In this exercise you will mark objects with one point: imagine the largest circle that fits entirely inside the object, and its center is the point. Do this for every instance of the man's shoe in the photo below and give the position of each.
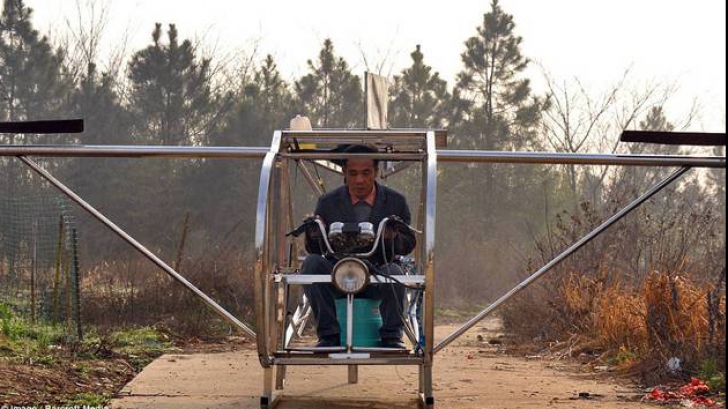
(329, 342)
(393, 343)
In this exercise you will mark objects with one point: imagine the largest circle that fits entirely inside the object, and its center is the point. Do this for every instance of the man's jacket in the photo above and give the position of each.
(336, 206)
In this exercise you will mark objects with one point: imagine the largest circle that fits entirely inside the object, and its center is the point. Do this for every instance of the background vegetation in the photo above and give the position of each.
(664, 264)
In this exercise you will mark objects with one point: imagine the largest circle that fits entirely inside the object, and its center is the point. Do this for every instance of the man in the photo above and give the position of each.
(361, 199)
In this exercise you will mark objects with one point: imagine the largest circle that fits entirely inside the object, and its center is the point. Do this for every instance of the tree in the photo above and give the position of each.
(266, 105)
(636, 178)
(420, 98)
(96, 100)
(32, 82)
(503, 113)
(330, 94)
(171, 99)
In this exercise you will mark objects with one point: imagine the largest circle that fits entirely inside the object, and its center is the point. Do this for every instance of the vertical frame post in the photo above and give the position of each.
(264, 288)
(430, 175)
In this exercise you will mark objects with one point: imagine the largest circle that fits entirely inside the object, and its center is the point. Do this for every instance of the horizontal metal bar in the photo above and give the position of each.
(396, 351)
(445, 156)
(390, 136)
(329, 166)
(329, 361)
(138, 246)
(303, 279)
(394, 156)
(455, 156)
(310, 351)
(130, 151)
(401, 134)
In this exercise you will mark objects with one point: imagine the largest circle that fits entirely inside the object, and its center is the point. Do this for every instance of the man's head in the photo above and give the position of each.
(360, 173)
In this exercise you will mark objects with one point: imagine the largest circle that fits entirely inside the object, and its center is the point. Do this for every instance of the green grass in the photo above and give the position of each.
(713, 377)
(140, 345)
(89, 399)
(457, 314)
(24, 341)
(37, 343)
(5, 311)
(623, 357)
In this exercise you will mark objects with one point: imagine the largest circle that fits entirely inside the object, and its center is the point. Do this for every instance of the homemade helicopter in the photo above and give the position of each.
(277, 255)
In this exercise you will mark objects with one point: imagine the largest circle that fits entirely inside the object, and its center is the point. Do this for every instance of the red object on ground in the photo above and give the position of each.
(694, 392)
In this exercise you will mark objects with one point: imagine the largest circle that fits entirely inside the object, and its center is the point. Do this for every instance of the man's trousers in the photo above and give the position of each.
(323, 296)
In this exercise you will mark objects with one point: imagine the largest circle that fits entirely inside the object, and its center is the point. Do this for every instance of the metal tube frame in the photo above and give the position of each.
(267, 284)
(444, 156)
(263, 286)
(316, 185)
(130, 151)
(426, 393)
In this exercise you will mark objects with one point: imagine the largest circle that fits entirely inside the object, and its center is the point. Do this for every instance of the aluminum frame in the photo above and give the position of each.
(417, 146)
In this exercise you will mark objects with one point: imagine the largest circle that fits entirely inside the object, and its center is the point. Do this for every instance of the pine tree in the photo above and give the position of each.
(330, 94)
(266, 105)
(96, 100)
(32, 85)
(503, 114)
(32, 82)
(420, 98)
(106, 121)
(631, 180)
(171, 98)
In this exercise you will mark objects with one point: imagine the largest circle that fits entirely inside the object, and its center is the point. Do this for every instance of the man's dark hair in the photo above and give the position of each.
(360, 149)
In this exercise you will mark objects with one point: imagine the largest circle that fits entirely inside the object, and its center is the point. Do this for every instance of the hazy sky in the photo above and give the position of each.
(594, 40)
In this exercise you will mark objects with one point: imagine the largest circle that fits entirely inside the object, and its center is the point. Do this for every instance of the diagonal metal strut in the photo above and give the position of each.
(563, 256)
(138, 246)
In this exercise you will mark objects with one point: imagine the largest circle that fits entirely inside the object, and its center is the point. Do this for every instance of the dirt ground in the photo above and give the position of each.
(470, 374)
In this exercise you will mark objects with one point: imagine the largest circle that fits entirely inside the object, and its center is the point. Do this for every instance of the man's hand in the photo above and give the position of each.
(391, 233)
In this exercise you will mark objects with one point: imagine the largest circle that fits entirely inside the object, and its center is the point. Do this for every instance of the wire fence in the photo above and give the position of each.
(39, 265)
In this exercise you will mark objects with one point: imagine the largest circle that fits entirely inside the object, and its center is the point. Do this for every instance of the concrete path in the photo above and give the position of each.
(467, 377)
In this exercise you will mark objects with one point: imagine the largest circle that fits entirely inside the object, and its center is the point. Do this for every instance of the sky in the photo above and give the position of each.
(664, 41)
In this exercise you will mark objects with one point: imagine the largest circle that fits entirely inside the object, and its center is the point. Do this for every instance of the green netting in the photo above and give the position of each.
(38, 256)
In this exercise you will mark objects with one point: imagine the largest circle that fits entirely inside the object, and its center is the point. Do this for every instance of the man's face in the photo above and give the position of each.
(360, 176)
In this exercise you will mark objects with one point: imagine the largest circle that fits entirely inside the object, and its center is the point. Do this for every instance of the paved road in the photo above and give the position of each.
(467, 377)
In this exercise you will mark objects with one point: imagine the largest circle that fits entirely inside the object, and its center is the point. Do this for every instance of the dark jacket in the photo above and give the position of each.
(336, 206)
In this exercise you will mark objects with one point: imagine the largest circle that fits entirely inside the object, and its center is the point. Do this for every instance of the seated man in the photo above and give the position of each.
(361, 199)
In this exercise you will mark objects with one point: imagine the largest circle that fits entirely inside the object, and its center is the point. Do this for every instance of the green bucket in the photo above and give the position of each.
(367, 321)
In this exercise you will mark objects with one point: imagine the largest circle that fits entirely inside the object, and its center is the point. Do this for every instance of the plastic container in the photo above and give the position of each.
(367, 321)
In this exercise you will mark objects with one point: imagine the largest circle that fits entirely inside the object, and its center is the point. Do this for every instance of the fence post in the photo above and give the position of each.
(76, 285)
(33, 272)
(59, 264)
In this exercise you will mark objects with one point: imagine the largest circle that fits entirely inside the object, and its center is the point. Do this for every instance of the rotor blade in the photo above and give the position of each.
(43, 127)
(675, 138)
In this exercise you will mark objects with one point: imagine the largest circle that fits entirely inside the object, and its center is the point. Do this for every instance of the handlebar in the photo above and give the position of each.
(322, 229)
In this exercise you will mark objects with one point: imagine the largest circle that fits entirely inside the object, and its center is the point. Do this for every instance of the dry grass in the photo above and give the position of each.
(636, 328)
(135, 293)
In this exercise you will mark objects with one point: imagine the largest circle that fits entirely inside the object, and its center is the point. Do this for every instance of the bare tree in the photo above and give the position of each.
(383, 61)
(579, 120)
(574, 118)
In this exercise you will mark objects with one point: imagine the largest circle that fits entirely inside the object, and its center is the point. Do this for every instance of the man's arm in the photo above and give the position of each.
(397, 238)
(405, 240)
(314, 242)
